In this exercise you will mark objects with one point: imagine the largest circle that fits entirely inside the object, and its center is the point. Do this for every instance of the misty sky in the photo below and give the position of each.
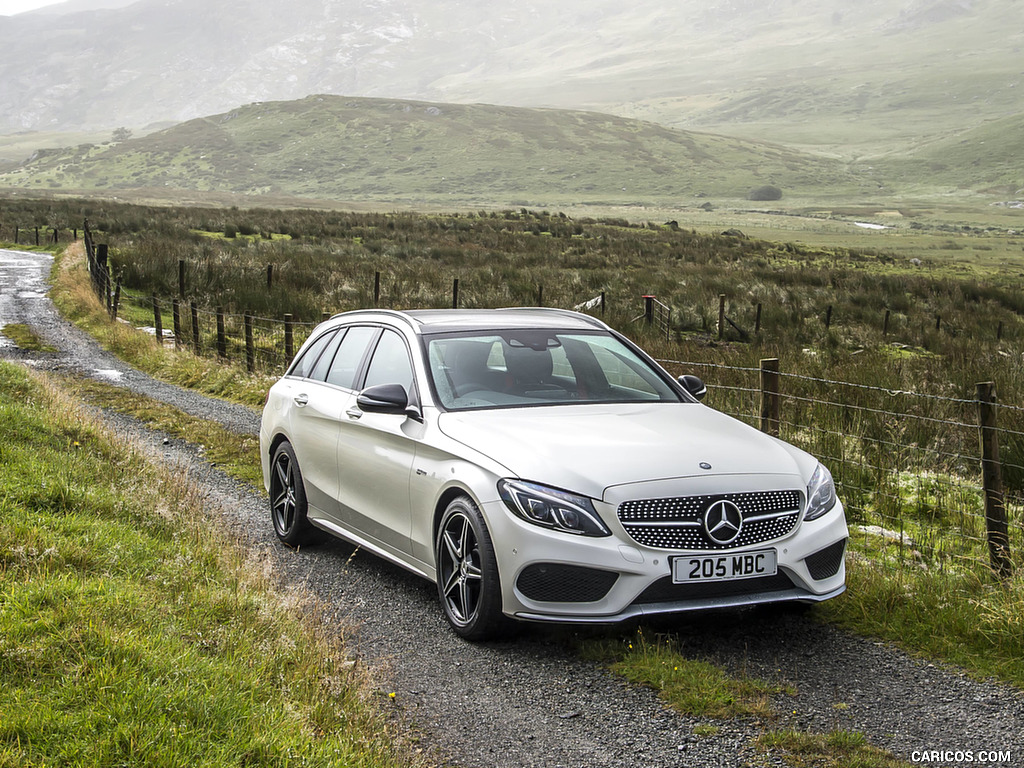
(11, 7)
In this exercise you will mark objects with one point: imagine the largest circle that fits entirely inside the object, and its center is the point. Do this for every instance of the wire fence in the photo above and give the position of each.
(907, 465)
(912, 468)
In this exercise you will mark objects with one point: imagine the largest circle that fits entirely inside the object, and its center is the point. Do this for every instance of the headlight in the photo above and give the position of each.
(821, 494)
(552, 508)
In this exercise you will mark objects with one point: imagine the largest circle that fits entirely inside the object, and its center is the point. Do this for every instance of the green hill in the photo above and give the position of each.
(988, 159)
(355, 149)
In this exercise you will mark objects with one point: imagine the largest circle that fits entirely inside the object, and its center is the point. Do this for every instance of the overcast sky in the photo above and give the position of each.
(11, 7)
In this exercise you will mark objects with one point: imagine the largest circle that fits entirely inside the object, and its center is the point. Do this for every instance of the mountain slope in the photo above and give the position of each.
(989, 158)
(356, 149)
(828, 73)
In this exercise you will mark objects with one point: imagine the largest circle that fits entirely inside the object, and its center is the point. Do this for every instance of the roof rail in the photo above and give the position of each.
(392, 313)
(591, 320)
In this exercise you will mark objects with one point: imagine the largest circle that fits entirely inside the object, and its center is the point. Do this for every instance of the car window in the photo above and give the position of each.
(540, 368)
(390, 363)
(323, 365)
(350, 353)
(304, 364)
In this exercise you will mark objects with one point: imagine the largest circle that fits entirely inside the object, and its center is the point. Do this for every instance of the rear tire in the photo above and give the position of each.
(288, 505)
(467, 573)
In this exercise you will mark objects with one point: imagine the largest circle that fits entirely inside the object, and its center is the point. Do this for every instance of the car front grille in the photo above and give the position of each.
(678, 523)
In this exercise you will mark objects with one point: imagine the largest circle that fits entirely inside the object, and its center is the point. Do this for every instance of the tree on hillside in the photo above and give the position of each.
(767, 192)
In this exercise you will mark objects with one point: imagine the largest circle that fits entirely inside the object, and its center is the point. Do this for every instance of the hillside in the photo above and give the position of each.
(988, 159)
(375, 149)
(837, 76)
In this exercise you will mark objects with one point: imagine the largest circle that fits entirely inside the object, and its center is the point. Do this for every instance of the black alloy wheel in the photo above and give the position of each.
(288, 499)
(467, 573)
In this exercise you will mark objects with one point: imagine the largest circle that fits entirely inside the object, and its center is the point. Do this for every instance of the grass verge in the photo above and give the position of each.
(133, 634)
(690, 686)
(235, 454)
(839, 749)
(74, 297)
(25, 338)
(965, 618)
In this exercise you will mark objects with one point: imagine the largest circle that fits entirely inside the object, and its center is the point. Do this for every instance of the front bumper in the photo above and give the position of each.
(551, 576)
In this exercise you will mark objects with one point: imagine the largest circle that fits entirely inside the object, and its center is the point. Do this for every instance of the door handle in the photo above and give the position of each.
(301, 400)
(354, 413)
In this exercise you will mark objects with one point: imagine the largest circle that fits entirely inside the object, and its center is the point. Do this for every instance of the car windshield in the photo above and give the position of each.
(519, 368)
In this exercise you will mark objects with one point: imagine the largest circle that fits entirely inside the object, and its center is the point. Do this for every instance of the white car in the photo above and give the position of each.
(537, 465)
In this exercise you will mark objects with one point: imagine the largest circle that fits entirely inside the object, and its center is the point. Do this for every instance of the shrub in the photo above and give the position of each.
(766, 192)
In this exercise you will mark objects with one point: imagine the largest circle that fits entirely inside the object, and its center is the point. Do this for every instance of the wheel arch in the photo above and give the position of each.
(448, 495)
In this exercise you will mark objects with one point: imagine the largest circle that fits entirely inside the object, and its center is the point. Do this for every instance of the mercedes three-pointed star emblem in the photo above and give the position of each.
(723, 522)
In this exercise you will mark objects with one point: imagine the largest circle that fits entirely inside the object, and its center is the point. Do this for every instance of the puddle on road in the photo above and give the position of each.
(109, 373)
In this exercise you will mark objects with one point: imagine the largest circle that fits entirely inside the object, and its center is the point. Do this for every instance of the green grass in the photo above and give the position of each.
(235, 454)
(690, 686)
(25, 338)
(838, 749)
(967, 618)
(133, 633)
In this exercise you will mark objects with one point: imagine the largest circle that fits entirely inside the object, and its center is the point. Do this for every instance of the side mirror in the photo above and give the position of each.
(693, 385)
(383, 398)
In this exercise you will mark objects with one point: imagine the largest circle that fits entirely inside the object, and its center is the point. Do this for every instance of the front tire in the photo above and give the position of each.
(288, 505)
(467, 573)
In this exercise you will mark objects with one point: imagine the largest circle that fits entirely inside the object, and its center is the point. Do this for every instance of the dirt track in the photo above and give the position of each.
(531, 701)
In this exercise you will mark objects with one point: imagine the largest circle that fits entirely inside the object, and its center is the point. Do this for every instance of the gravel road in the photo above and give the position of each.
(530, 701)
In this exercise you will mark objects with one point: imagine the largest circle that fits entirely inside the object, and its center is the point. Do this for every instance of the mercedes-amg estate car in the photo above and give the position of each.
(539, 466)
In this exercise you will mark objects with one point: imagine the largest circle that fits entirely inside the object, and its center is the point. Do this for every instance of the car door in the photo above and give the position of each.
(313, 414)
(376, 452)
(318, 403)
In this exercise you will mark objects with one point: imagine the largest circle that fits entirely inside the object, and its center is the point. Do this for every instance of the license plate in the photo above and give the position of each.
(745, 565)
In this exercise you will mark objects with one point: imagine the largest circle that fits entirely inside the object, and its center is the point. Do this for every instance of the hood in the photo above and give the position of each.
(588, 448)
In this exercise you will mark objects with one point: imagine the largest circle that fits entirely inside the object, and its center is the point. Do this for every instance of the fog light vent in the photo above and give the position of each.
(558, 583)
(825, 563)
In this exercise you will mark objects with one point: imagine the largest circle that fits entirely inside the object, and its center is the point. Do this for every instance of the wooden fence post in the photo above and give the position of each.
(17, 231)
(289, 338)
(455, 293)
(116, 301)
(250, 346)
(540, 295)
(197, 343)
(999, 331)
(828, 317)
(103, 274)
(37, 235)
(602, 304)
(649, 310)
(222, 339)
(176, 320)
(992, 482)
(270, 277)
(376, 288)
(721, 316)
(158, 321)
(885, 324)
(770, 396)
